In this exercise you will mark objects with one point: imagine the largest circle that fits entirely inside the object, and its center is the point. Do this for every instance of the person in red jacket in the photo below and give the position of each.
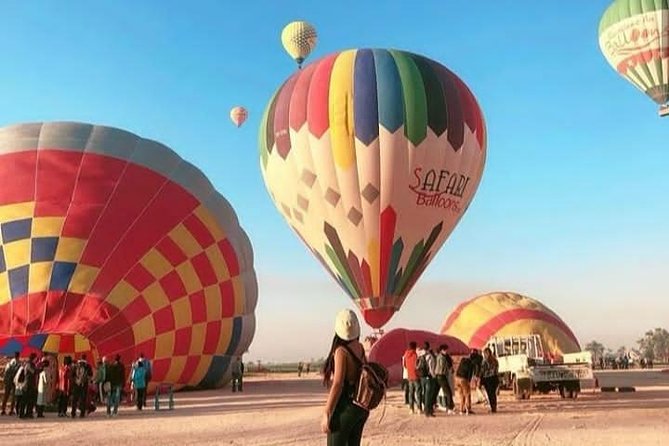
(409, 363)
(64, 386)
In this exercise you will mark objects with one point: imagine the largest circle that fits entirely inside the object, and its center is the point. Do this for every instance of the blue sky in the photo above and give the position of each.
(572, 208)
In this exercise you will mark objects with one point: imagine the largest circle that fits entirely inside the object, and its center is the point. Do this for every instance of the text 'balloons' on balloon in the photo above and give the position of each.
(372, 156)
(299, 40)
(634, 38)
(238, 115)
(509, 314)
(113, 244)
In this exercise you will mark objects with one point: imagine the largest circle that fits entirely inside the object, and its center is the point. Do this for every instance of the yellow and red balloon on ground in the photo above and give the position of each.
(372, 156)
(505, 314)
(634, 38)
(113, 244)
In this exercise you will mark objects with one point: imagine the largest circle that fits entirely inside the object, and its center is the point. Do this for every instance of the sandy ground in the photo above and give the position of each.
(282, 410)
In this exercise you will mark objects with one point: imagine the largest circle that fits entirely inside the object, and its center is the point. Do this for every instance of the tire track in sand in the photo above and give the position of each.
(525, 437)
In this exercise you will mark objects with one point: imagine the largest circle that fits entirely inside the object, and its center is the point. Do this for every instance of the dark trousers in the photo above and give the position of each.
(40, 411)
(9, 391)
(63, 399)
(490, 384)
(405, 387)
(236, 383)
(428, 395)
(29, 402)
(442, 380)
(347, 424)
(141, 398)
(79, 400)
(21, 405)
(415, 394)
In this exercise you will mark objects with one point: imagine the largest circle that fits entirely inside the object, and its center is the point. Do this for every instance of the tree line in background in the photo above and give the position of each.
(653, 346)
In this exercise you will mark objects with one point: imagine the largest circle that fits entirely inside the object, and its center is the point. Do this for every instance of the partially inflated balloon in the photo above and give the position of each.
(634, 37)
(113, 244)
(299, 39)
(509, 314)
(372, 157)
(238, 115)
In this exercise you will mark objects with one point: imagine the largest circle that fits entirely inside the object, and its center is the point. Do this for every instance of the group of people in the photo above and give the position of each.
(28, 384)
(431, 380)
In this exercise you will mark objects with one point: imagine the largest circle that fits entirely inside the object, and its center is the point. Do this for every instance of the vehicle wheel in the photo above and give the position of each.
(574, 394)
(562, 391)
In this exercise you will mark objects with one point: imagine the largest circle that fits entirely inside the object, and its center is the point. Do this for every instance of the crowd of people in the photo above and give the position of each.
(33, 384)
(431, 380)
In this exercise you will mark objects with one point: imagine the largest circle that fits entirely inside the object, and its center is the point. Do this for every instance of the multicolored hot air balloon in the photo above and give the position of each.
(634, 37)
(372, 156)
(238, 115)
(299, 40)
(113, 244)
(506, 314)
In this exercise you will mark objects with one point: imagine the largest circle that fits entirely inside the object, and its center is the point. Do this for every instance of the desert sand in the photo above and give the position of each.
(285, 410)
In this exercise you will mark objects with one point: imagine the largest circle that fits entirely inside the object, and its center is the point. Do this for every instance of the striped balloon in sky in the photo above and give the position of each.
(113, 244)
(634, 37)
(373, 156)
(507, 314)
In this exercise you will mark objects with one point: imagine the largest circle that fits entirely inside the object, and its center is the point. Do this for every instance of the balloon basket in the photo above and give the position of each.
(664, 111)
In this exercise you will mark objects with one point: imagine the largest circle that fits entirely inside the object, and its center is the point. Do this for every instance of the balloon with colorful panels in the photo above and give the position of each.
(113, 244)
(634, 37)
(238, 115)
(299, 40)
(372, 156)
(507, 314)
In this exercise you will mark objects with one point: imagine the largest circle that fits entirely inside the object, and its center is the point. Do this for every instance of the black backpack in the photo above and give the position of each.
(465, 369)
(422, 369)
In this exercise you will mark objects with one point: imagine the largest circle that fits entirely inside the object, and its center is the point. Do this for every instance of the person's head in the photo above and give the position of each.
(487, 353)
(83, 356)
(443, 348)
(412, 345)
(140, 364)
(347, 329)
(32, 357)
(104, 360)
(17, 355)
(117, 358)
(426, 346)
(67, 360)
(141, 355)
(45, 363)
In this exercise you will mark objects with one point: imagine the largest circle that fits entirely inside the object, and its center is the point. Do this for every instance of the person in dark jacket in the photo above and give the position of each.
(30, 390)
(81, 376)
(11, 369)
(114, 380)
(463, 377)
(442, 370)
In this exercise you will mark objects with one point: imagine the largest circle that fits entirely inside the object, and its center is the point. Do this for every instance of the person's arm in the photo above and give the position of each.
(336, 388)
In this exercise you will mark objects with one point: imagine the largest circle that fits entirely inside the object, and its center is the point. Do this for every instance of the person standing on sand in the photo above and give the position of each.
(42, 389)
(237, 374)
(489, 378)
(139, 382)
(409, 360)
(442, 370)
(115, 377)
(463, 377)
(425, 366)
(11, 369)
(342, 420)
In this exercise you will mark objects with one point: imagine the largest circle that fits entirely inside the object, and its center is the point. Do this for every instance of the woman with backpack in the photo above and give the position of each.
(490, 378)
(342, 420)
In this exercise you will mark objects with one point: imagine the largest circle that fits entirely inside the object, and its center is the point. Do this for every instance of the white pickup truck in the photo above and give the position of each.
(523, 367)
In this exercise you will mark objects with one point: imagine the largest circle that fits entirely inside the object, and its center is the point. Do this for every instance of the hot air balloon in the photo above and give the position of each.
(372, 156)
(113, 244)
(238, 115)
(634, 37)
(299, 39)
(507, 314)
(390, 347)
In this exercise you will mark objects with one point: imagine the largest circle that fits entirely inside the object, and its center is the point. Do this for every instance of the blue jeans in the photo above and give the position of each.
(113, 399)
(428, 395)
(415, 395)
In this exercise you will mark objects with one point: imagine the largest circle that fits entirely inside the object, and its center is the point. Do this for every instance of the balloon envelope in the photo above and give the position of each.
(238, 115)
(634, 37)
(390, 347)
(299, 39)
(113, 244)
(505, 314)
(372, 156)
